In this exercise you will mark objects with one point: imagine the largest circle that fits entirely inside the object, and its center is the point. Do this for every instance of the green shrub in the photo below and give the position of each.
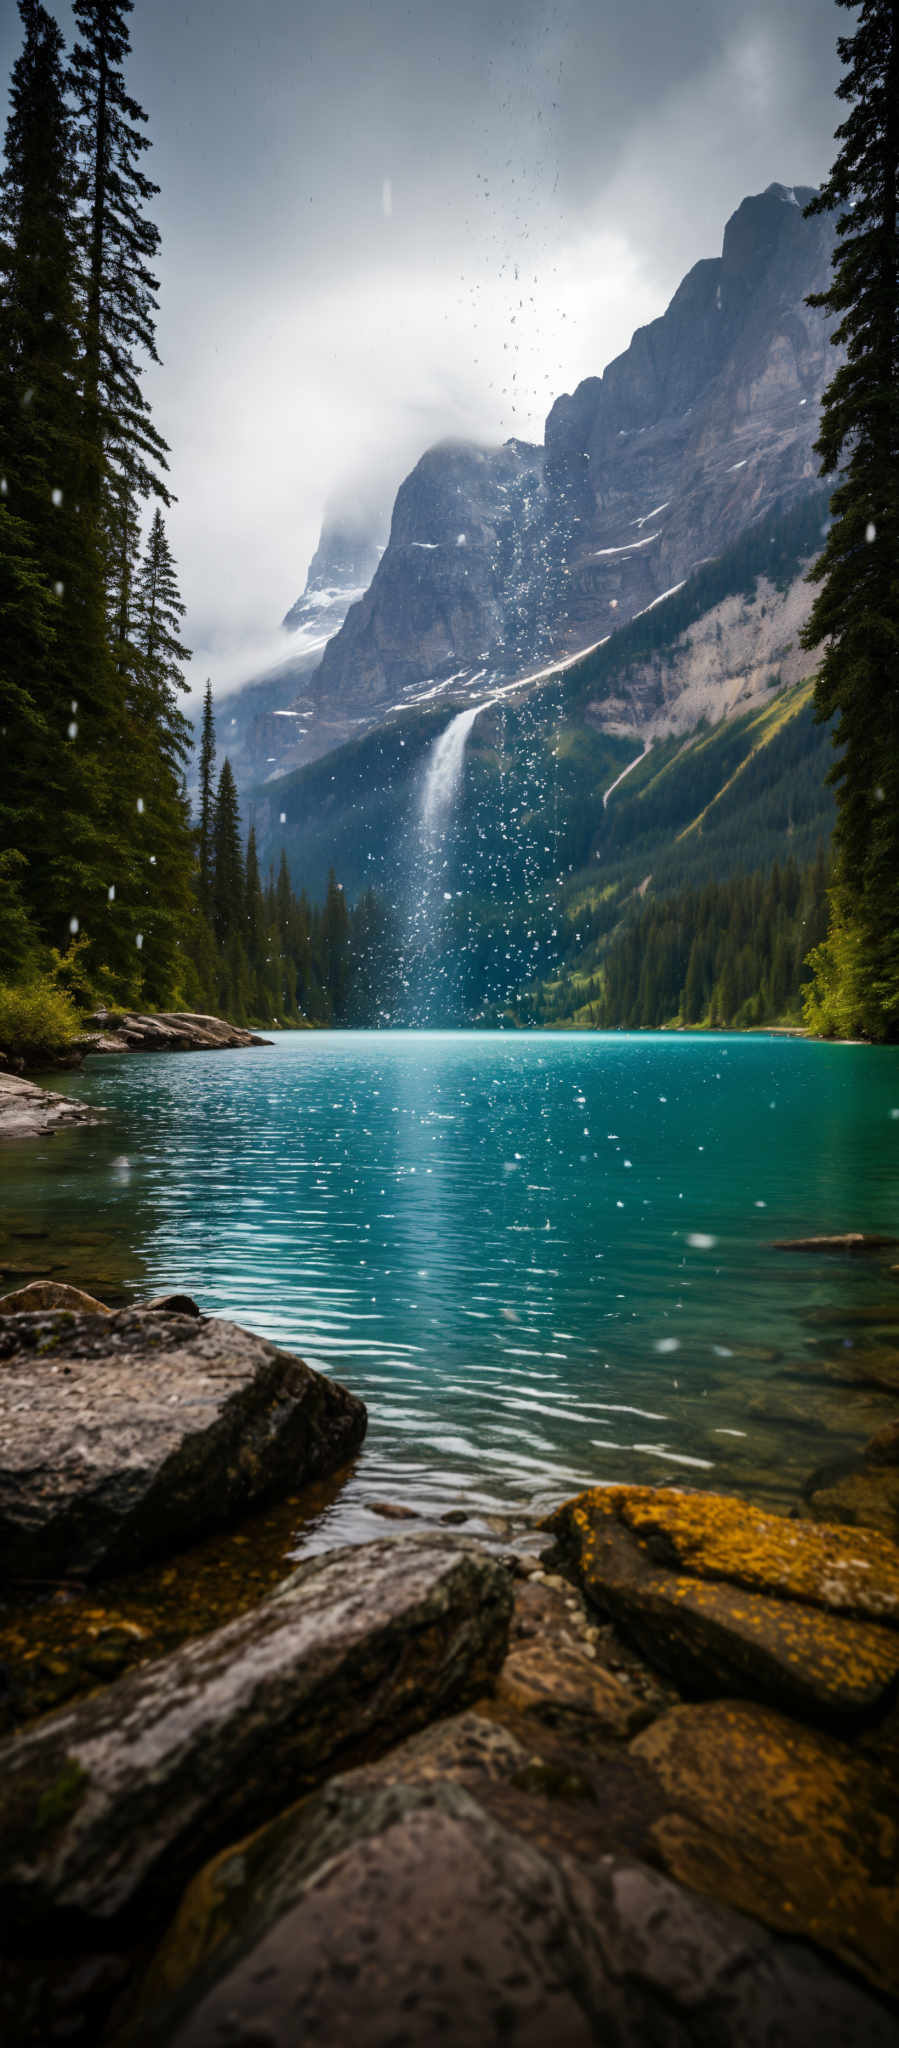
(37, 1020)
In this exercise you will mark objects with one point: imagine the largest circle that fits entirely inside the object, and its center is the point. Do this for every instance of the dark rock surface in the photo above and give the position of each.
(404, 1914)
(109, 1806)
(124, 1435)
(864, 1493)
(173, 1304)
(730, 1598)
(27, 1111)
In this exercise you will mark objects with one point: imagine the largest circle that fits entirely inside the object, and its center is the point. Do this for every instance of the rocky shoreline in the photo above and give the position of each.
(30, 1111)
(642, 1786)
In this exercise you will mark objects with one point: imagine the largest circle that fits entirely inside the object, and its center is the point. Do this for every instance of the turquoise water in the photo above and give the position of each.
(542, 1260)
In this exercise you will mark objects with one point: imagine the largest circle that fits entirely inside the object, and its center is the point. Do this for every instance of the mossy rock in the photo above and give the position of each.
(731, 1599)
(783, 1823)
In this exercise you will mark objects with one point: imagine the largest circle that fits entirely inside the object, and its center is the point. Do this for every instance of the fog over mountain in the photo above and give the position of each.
(382, 227)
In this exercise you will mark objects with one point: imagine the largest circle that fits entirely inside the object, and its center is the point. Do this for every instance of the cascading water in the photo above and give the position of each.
(443, 778)
(431, 971)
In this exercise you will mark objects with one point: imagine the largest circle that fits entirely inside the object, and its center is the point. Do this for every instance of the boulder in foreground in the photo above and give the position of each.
(107, 1808)
(402, 1913)
(730, 1598)
(126, 1435)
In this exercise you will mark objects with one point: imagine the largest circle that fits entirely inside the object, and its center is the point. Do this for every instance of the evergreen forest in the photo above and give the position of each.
(110, 893)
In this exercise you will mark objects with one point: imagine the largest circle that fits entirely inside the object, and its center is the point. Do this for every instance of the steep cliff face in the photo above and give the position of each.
(501, 558)
(705, 422)
(456, 581)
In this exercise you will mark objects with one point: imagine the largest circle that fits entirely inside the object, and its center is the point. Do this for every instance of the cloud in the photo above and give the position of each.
(382, 226)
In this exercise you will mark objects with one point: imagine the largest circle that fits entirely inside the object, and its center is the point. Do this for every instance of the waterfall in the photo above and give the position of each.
(443, 776)
(431, 964)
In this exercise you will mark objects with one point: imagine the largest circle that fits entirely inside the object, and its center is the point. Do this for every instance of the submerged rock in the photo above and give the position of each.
(41, 1294)
(784, 1823)
(125, 1435)
(402, 1913)
(861, 1493)
(107, 1808)
(174, 1304)
(732, 1599)
(847, 1241)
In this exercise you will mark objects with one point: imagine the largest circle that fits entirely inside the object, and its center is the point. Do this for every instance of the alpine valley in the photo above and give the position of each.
(587, 654)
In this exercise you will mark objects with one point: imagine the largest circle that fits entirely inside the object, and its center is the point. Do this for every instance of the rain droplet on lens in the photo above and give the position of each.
(73, 925)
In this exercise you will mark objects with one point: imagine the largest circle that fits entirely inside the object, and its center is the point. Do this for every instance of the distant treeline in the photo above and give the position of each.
(262, 954)
(729, 954)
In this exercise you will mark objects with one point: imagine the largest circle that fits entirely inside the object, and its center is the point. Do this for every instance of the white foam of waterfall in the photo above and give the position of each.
(431, 973)
(443, 775)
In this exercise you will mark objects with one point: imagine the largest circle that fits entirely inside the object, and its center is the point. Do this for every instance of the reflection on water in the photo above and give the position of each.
(542, 1260)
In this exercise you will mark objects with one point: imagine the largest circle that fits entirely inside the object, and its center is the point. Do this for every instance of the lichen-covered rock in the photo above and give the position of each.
(733, 1599)
(404, 1914)
(41, 1294)
(783, 1823)
(107, 1808)
(125, 1435)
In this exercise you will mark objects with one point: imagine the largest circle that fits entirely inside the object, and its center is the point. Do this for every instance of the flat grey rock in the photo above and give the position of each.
(109, 1807)
(403, 1914)
(166, 1031)
(27, 1111)
(126, 1435)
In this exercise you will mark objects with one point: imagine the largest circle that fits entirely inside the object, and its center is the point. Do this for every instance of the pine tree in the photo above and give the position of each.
(335, 938)
(159, 611)
(119, 245)
(856, 612)
(207, 802)
(228, 875)
(51, 590)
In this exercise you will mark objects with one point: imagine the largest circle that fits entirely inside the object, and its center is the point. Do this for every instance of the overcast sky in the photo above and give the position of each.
(386, 221)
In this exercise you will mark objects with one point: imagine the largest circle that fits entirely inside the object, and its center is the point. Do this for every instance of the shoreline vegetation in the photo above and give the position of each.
(656, 1725)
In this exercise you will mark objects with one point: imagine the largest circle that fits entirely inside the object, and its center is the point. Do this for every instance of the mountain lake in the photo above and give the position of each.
(542, 1260)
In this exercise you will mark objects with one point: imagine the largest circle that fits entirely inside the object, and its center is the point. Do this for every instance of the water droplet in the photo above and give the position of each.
(140, 806)
(110, 893)
(139, 940)
(73, 925)
(870, 531)
(56, 496)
